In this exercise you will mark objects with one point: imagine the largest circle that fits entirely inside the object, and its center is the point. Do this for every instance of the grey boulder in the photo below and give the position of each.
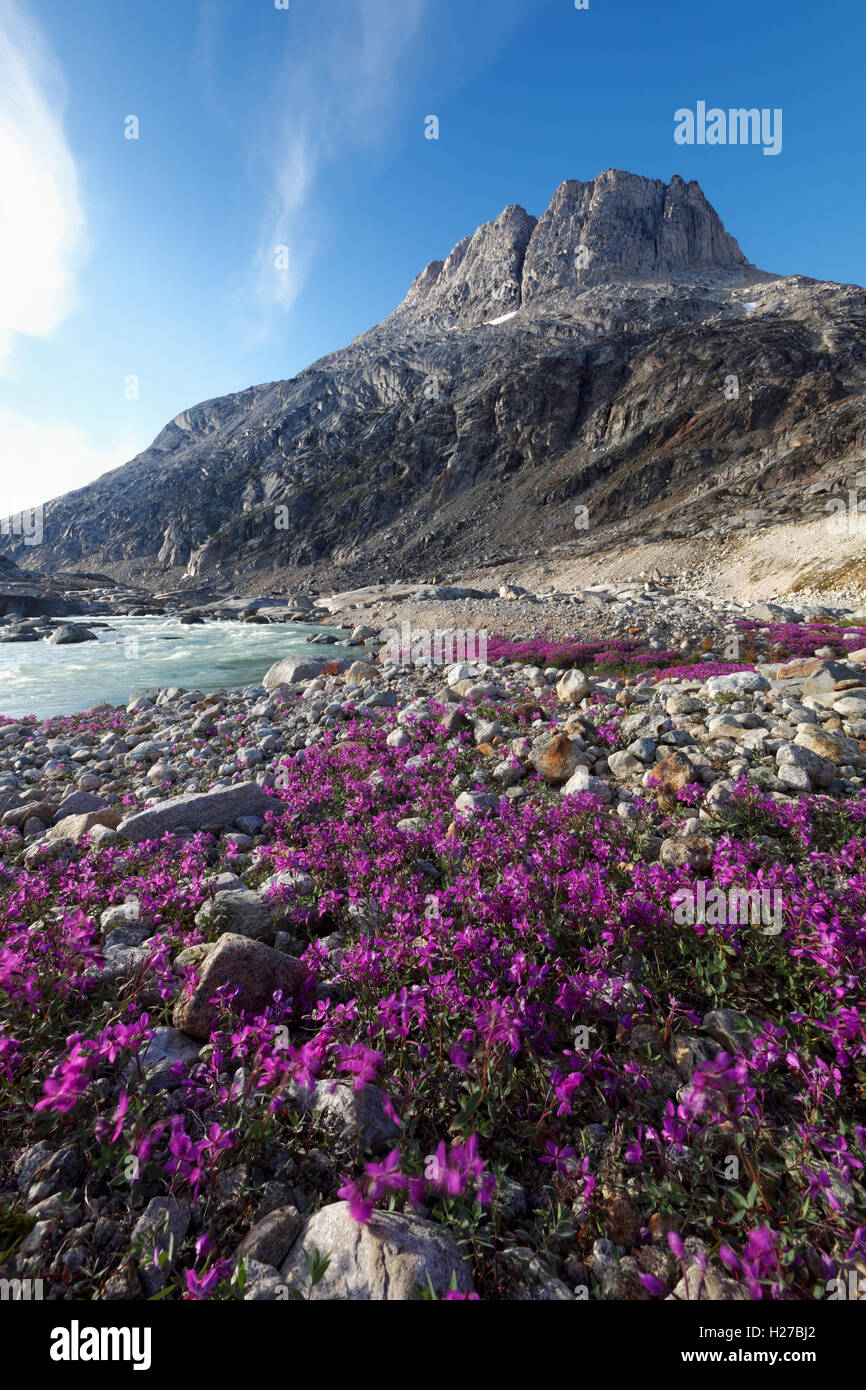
(293, 669)
(238, 910)
(253, 969)
(738, 683)
(68, 633)
(165, 1050)
(350, 1115)
(390, 1259)
(201, 811)
(820, 771)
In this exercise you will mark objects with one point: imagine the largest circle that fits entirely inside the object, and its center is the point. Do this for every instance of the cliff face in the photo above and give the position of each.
(628, 228)
(620, 354)
(482, 278)
(616, 228)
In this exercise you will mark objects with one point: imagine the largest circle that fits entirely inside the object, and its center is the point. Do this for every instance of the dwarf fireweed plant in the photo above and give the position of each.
(511, 994)
(786, 641)
(620, 654)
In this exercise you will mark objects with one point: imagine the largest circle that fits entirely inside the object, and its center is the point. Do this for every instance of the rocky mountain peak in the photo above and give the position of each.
(622, 227)
(482, 277)
(616, 228)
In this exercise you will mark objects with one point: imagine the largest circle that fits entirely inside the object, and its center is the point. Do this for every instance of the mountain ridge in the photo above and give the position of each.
(577, 357)
(622, 225)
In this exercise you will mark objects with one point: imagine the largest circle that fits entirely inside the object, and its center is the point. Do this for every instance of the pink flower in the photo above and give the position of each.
(117, 1117)
(360, 1205)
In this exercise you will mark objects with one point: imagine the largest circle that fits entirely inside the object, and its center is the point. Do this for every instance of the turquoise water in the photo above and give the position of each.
(139, 653)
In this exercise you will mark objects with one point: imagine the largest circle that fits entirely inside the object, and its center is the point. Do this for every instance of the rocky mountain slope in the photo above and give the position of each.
(614, 370)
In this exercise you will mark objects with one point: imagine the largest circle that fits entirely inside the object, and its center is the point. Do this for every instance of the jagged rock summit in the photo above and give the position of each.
(619, 354)
(618, 227)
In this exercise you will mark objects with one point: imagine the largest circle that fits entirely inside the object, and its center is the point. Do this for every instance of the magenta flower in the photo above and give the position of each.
(117, 1117)
(653, 1285)
(386, 1176)
(360, 1204)
(562, 1158)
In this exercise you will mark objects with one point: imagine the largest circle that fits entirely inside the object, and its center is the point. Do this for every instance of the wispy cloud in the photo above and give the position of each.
(41, 217)
(337, 90)
(352, 70)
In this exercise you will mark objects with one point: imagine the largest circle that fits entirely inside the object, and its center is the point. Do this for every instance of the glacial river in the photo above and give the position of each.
(137, 654)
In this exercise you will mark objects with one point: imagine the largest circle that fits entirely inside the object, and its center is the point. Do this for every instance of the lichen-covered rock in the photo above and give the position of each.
(670, 774)
(271, 1239)
(254, 969)
(238, 910)
(832, 746)
(730, 1029)
(820, 771)
(74, 828)
(709, 1285)
(738, 683)
(390, 1259)
(557, 759)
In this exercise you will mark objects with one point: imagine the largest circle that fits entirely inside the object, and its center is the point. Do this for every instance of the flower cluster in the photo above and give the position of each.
(513, 983)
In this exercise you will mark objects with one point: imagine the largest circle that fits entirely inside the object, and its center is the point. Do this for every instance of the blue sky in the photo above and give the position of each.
(304, 127)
